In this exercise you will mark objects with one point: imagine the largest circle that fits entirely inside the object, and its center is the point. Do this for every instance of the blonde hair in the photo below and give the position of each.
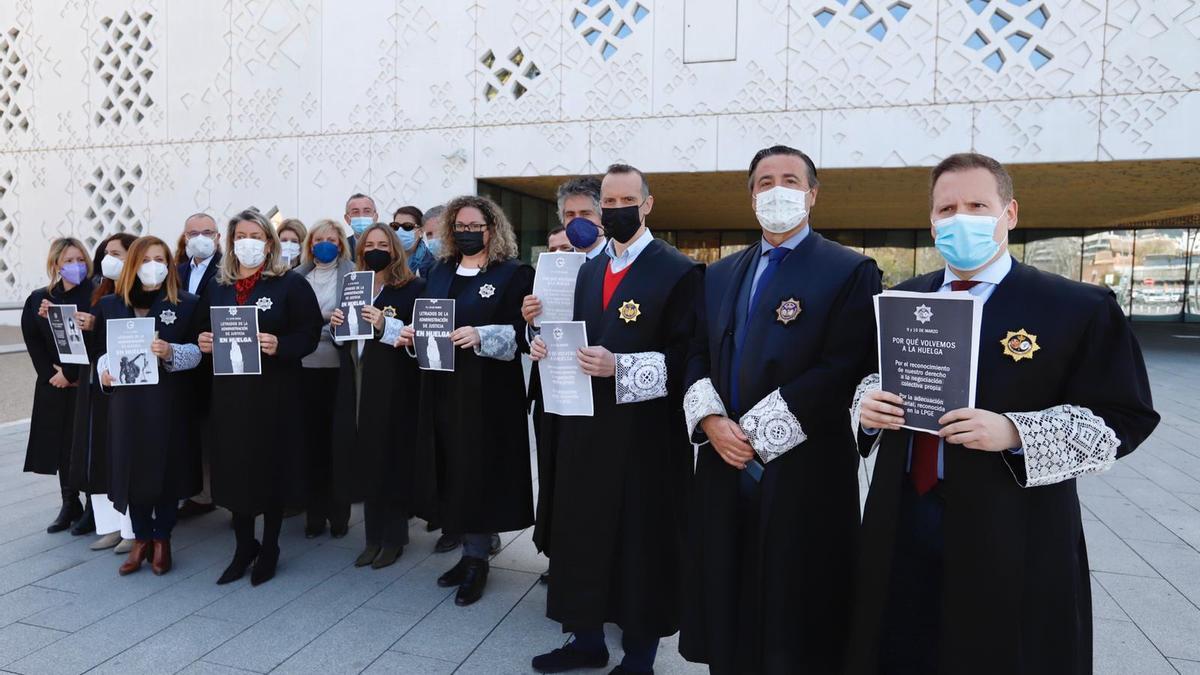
(294, 225)
(397, 271)
(502, 244)
(57, 248)
(133, 261)
(318, 228)
(273, 266)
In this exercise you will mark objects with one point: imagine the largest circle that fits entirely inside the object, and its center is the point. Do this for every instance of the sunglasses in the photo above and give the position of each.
(408, 227)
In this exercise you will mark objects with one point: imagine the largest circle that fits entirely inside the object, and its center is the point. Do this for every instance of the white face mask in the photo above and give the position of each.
(201, 247)
(111, 267)
(250, 252)
(289, 250)
(152, 273)
(780, 209)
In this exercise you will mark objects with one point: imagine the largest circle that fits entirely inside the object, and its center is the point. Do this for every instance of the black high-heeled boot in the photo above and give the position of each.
(264, 567)
(70, 512)
(242, 558)
(87, 522)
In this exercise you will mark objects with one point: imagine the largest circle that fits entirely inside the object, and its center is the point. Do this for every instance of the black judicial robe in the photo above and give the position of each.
(472, 463)
(1016, 596)
(89, 442)
(775, 598)
(622, 475)
(255, 459)
(153, 447)
(50, 423)
(375, 424)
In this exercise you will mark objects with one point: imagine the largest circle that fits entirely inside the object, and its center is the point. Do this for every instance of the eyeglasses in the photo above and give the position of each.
(408, 227)
(202, 233)
(470, 227)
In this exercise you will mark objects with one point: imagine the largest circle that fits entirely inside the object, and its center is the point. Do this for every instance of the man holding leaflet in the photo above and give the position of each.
(972, 553)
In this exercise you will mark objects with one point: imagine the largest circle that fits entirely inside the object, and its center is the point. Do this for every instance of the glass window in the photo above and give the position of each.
(1159, 270)
(1108, 261)
(737, 240)
(928, 259)
(1192, 299)
(701, 246)
(1055, 251)
(894, 251)
(848, 238)
(1016, 244)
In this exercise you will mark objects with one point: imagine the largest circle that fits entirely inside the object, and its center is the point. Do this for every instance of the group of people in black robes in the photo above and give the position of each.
(714, 490)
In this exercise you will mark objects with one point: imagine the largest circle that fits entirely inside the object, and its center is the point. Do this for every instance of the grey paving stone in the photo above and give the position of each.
(351, 645)
(1103, 605)
(1108, 553)
(410, 664)
(247, 605)
(1121, 649)
(1179, 564)
(29, 600)
(1166, 617)
(170, 650)
(522, 634)
(18, 639)
(416, 592)
(1186, 667)
(1128, 520)
(521, 555)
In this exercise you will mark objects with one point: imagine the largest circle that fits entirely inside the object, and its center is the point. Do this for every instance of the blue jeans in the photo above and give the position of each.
(153, 521)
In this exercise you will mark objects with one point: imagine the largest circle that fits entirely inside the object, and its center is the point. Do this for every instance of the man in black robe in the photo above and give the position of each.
(779, 349)
(621, 476)
(972, 552)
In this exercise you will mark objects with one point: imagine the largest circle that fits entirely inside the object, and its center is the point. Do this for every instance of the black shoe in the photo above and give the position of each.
(455, 575)
(495, 544)
(432, 526)
(473, 583)
(620, 670)
(367, 556)
(292, 512)
(191, 509)
(389, 555)
(86, 523)
(241, 562)
(544, 579)
(338, 530)
(264, 567)
(569, 658)
(69, 513)
(447, 543)
(314, 530)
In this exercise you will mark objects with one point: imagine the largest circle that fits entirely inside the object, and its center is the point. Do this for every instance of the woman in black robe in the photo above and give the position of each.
(89, 453)
(154, 455)
(376, 414)
(472, 471)
(50, 430)
(253, 464)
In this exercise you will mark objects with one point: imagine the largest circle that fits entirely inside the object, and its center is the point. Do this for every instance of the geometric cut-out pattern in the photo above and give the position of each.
(8, 278)
(110, 193)
(603, 24)
(123, 62)
(1010, 28)
(13, 73)
(874, 20)
(515, 75)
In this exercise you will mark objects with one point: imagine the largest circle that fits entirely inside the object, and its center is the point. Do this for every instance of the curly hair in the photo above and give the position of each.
(502, 244)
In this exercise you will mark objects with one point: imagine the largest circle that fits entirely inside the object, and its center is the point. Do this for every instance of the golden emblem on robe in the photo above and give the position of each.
(389, 312)
(1020, 344)
(629, 311)
(787, 311)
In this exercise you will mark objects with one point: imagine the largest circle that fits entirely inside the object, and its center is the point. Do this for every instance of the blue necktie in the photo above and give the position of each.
(774, 257)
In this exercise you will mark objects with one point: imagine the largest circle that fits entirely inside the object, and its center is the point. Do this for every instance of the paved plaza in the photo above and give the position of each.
(63, 609)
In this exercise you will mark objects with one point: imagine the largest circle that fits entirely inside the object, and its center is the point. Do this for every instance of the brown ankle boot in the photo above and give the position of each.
(139, 552)
(161, 564)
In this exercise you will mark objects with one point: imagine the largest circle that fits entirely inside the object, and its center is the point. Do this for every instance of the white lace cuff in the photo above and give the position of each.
(1063, 442)
(101, 368)
(641, 376)
(700, 401)
(772, 428)
(183, 357)
(497, 342)
(391, 330)
(869, 383)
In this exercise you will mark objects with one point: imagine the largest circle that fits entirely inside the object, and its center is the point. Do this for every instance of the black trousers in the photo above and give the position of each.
(318, 392)
(386, 523)
(911, 630)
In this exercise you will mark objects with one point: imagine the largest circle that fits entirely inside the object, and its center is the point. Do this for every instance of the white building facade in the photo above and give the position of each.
(130, 116)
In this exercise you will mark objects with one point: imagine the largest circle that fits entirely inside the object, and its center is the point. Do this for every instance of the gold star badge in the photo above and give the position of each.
(629, 311)
(787, 311)
(389, 312)
(1020, 344)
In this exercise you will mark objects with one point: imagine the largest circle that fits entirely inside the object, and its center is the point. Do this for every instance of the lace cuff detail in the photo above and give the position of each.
(391, 330)
(183, 357)
(700, 401)
(641, 376)
(1063, 442)
(869, 383)
(772, 428)
(497, 342)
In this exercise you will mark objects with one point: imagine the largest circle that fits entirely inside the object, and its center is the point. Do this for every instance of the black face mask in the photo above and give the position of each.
(622, 222)
(377, 260)
(468, 243)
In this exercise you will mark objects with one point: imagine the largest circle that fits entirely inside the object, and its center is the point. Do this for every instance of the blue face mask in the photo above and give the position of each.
(434, 245)
(325, 251)
(360, 224)
(582, 233)
(965, 240)
(407, 237)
